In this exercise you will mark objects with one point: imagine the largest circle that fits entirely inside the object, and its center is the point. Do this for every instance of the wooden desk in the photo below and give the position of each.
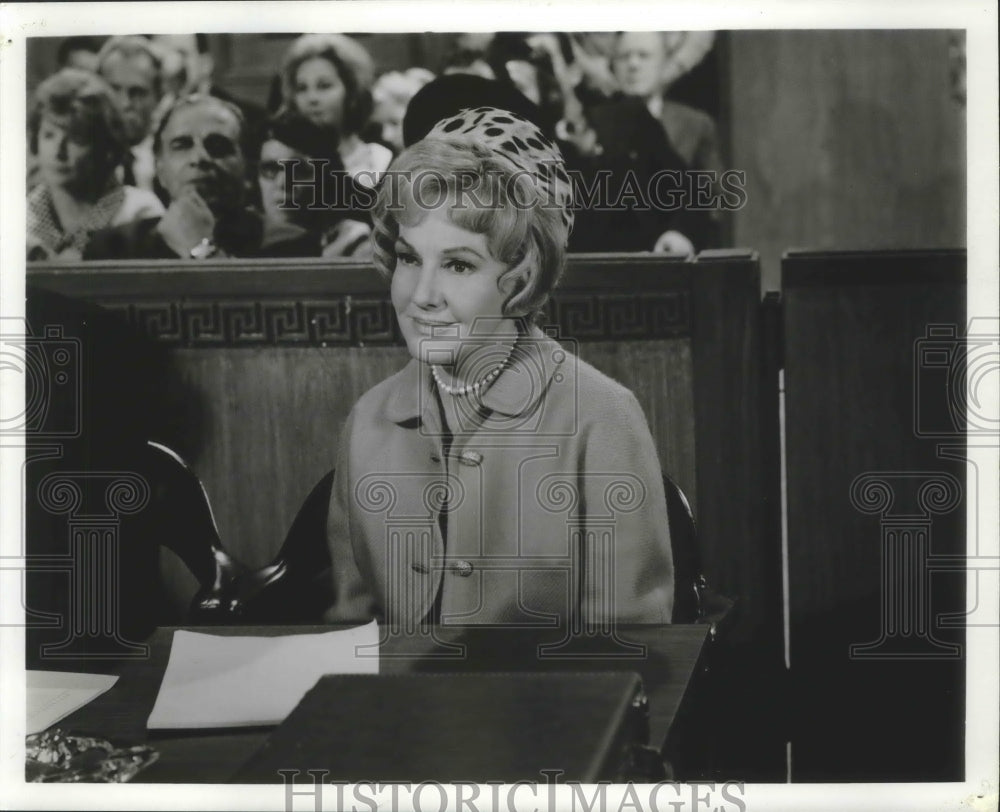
(669, 658)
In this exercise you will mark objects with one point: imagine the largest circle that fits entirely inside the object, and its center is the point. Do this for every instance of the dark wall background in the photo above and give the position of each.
(850, 140)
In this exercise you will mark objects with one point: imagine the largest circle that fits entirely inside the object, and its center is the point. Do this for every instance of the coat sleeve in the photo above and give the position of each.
(352, 599)
(628, 572)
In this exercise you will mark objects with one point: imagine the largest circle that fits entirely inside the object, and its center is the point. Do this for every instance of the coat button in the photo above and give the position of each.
(463, 568)
(417, 566)
(472, 458)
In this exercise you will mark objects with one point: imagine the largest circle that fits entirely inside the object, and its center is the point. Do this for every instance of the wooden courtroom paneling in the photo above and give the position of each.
(276, 415)
(270, 356)
(849, 138)
(874, 501)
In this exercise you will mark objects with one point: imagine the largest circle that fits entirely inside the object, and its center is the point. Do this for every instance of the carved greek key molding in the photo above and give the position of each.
(358, 321)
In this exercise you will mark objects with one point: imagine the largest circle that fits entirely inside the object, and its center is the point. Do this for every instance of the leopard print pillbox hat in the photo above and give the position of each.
(515, 139)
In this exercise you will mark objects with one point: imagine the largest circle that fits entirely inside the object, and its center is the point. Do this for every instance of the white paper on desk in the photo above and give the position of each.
(54, 695)
(239, 681)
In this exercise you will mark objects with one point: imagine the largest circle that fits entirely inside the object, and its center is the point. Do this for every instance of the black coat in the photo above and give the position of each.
(629, 203)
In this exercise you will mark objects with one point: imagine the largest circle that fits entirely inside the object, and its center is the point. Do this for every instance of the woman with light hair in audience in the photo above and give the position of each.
(328, 79)
(392, 93)
(77, 138)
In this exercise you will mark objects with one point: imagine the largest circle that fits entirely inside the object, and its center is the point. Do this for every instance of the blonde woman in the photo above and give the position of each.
(496, 479)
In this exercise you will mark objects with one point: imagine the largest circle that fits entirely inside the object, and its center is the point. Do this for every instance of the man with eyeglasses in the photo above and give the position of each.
(201, 166)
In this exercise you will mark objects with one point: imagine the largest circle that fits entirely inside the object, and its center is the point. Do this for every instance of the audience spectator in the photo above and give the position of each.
(133, 67)
(296, 149)
(646, 64)
(515, 58)
(201, 166)
(189, 68)
(77, 139)
(392, 93)
(601, 96)
(468, 55)
(592, 52)
(328, 79)
(614, 149)
(79, 52)
(73, 52)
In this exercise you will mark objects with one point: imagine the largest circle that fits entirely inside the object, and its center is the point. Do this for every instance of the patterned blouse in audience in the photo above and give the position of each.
(328, 79)
(77, 138)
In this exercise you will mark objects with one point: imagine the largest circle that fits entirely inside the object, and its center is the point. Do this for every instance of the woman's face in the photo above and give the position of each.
(62, 161)
(445, 292)
(271, 177)
(389, 113)
(320, 94)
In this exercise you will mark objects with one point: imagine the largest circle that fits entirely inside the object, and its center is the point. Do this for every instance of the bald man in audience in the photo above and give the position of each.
(201, 166)
(190, 68)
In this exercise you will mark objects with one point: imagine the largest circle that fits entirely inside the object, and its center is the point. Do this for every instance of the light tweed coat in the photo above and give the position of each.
(553, 492)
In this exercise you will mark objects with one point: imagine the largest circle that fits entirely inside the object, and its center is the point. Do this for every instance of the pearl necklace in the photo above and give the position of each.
(472, 388)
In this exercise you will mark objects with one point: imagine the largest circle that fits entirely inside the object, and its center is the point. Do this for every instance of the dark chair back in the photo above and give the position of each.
(295, 587)
(179, 517)
(687, 557)
(694, 600)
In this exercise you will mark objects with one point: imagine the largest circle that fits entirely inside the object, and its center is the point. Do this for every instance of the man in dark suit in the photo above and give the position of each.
(201, 166)
(133, 68)
(646, 63)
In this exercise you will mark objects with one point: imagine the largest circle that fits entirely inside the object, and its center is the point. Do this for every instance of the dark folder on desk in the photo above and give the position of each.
(457, 727)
